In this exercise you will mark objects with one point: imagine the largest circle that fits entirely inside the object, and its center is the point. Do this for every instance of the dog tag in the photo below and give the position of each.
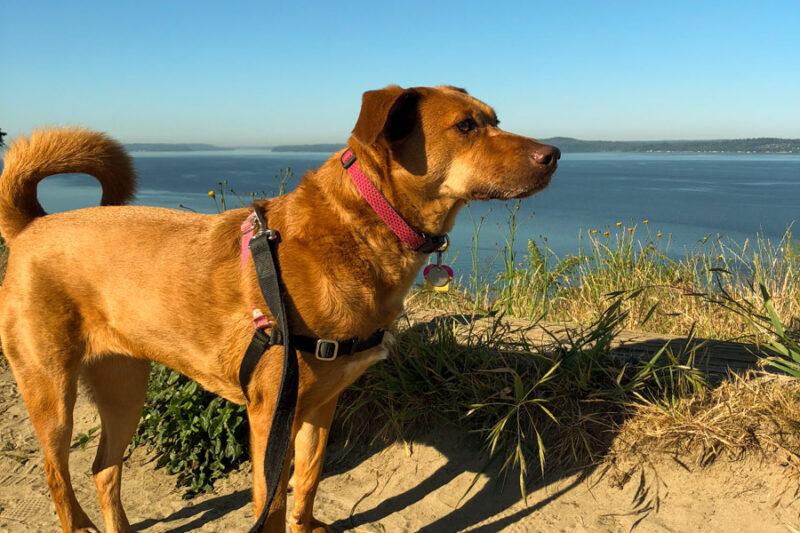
(438, 276)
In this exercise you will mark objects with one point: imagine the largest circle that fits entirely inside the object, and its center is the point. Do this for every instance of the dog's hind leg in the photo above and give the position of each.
(49, 387)
(118, 385)
(309, 456)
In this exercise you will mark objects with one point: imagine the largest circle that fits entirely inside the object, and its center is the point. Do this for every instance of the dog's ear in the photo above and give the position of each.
(392, 111)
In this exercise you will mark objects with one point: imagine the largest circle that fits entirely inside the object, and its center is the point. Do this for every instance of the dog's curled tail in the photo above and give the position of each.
(60, 151)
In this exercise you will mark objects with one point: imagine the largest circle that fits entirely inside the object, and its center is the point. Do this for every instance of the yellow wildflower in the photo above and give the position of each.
(619, 224)
(646, 221)
(658, 235)
(212, 194)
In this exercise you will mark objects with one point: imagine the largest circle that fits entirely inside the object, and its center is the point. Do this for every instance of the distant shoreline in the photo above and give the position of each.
(175, 147)
(308, 148)
(762, 145)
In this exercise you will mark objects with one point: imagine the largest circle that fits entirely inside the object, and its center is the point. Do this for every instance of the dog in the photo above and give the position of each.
(99, 293)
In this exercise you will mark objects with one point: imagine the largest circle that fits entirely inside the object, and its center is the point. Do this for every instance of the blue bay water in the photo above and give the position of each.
(691, 196)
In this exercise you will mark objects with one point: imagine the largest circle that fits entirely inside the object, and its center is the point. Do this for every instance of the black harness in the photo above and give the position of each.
(280, 433)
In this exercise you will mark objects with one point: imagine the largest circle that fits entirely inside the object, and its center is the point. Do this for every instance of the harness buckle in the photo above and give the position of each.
(262, 227)
(348, 160)
(323, 352)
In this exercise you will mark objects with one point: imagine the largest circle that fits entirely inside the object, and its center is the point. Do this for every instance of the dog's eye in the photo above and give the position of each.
(466, 125)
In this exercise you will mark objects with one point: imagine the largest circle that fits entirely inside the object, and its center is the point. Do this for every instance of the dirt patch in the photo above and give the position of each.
(415, 487)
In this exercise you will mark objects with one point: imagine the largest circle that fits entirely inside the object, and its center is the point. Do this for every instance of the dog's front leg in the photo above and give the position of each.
(259, 414)
(309, 456)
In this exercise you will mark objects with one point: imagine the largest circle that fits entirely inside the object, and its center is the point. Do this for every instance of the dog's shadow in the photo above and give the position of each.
(462, 454)
(493, 499)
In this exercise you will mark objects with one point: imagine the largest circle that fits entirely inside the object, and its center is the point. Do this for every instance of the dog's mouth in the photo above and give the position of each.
(495, 192)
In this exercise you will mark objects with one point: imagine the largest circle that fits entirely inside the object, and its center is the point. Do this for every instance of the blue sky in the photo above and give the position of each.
(261, 73)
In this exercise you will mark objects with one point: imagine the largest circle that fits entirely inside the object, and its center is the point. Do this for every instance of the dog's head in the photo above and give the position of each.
(449, 145)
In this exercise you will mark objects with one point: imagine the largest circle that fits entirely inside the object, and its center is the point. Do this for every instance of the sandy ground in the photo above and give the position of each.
(408, 488)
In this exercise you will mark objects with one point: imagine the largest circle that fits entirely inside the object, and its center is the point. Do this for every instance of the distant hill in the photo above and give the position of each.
(762, 145)
(174, 147)
(308, 148)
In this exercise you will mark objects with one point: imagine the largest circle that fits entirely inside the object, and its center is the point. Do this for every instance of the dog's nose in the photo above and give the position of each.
(546, 155)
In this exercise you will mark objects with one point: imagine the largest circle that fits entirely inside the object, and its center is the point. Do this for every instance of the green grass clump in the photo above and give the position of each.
(530, 405)
(674, 295)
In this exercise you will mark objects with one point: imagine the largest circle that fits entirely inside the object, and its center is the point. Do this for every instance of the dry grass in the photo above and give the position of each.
(672, 295)
(745, 415)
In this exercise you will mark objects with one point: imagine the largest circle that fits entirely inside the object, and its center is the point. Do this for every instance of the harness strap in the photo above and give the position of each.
(280, 431)
(329, 349)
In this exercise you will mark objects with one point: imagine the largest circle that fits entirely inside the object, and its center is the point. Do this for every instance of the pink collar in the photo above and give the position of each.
(414, 239)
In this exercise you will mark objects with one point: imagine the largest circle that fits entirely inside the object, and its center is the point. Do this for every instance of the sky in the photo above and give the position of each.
(266, 73)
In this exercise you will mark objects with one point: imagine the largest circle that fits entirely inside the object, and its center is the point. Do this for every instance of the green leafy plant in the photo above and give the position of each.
(83, 439)
(196, 435)
(784, 345)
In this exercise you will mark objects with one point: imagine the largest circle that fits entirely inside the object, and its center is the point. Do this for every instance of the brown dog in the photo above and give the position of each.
(100, 292)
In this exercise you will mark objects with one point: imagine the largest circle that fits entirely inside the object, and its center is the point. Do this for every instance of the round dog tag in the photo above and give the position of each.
(438, 275)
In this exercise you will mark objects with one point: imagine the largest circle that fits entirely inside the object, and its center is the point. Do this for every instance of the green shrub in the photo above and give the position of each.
(195, 434)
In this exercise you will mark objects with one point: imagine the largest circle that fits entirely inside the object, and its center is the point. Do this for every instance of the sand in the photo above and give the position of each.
(411, 487)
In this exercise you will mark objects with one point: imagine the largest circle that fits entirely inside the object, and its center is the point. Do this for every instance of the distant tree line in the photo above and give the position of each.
(308, 147)
(174, 147)
(759, 145)
(2, 134)
(570, 145)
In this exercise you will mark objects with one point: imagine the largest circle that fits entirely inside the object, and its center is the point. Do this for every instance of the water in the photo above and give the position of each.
(691, 196)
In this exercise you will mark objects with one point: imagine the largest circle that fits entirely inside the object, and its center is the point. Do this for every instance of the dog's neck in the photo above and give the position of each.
(416, 198)
(424, 210)
(343, 215)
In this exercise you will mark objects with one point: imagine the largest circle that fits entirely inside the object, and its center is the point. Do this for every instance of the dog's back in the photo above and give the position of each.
(110, 279)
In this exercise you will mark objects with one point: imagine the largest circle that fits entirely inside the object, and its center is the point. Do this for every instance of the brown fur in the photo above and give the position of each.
(100, 292)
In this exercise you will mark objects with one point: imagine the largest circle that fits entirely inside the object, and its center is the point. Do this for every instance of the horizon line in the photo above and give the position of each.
(564, 137)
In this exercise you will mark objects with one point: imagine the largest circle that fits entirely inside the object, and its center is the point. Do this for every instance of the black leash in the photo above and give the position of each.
(280, 433)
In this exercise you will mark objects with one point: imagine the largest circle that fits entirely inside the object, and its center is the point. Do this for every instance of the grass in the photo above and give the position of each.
(559, 406)
(674, 296)
(744, 414)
